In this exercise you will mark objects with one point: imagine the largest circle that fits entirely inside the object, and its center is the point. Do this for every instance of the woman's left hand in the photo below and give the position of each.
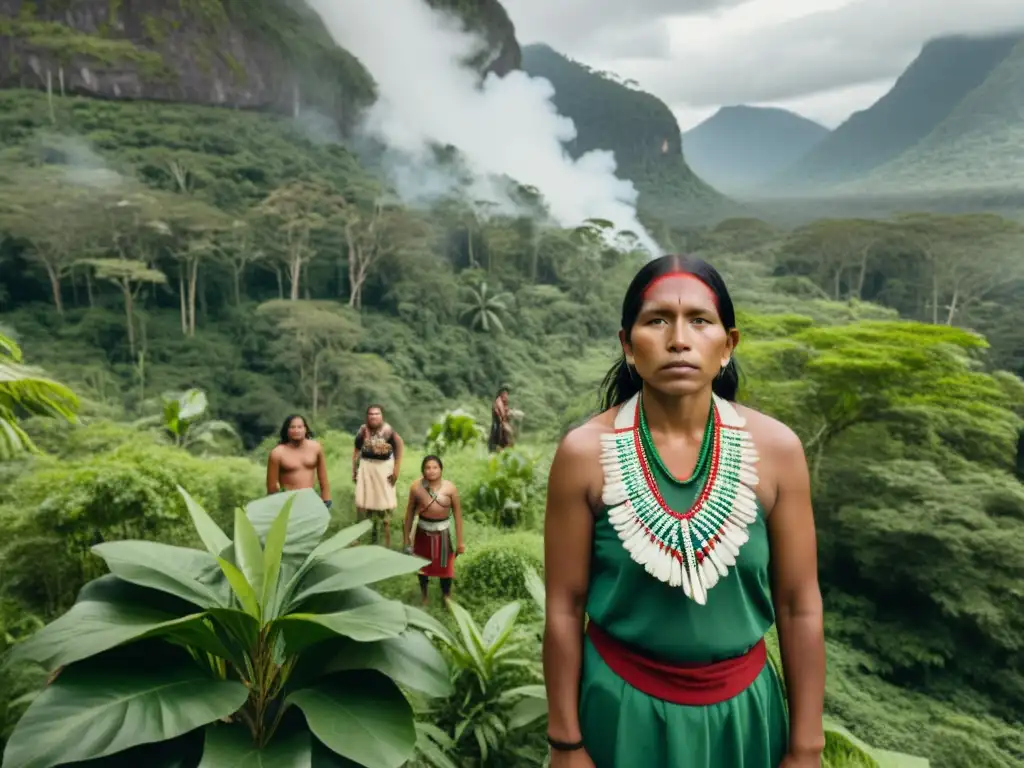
(803, 760)
(461, 549)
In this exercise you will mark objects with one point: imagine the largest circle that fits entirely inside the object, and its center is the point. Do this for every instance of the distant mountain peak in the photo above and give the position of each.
(741, 146)
(945, 71)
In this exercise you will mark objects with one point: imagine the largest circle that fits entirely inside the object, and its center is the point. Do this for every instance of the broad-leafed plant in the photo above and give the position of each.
(268, 650)
(490, 702)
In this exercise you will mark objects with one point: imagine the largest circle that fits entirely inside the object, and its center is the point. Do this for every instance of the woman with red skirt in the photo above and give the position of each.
(434, 501)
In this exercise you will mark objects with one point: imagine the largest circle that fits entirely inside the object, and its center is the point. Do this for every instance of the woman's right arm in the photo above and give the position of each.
(568, 532)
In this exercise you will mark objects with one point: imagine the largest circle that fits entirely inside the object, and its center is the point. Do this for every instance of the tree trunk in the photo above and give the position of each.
(204, 308)
(835, 279)
(88, 289)
(935, 299)
(280, 282)
(55, 288)
(863, 274)
(129, 313)
(952, 306)
(193, 280)
(316, 385)
(181, 299)
(295, 275)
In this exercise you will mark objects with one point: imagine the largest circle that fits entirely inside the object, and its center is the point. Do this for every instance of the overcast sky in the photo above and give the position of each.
(822, 58)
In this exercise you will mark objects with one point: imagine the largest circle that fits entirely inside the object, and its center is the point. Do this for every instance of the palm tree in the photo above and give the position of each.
(25, 390)
(484, 309)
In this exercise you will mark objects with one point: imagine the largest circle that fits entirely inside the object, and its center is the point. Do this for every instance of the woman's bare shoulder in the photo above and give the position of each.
(584, 442)
(770, 435)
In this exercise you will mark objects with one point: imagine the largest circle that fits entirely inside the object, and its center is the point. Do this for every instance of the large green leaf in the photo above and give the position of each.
(362, 716)
(182, 752)
(248, 552)
(336, 543)
(530, 704)
(273, 551)
(109, 613)
(365, 624)
(351, 568)
(341, 539)
(94, 710)
(307, 522)
(179, 571)
(500, 626)
(241, 587)
(231, 746)
(410, 659)
(214, 539)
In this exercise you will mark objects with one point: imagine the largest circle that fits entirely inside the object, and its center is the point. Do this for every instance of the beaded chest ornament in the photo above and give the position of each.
(695, 548)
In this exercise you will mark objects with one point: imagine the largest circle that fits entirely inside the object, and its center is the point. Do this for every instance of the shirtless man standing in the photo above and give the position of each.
(297, 461)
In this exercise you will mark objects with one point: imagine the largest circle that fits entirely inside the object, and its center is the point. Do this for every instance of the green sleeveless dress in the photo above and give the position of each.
(624, 728)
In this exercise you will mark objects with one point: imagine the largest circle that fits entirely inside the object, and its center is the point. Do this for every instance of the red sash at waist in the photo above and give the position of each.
(696, 685)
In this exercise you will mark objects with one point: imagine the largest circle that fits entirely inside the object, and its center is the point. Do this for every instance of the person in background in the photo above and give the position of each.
(297, 461)
(436, 502)
(501, 423)
(376, 463)
(680, 524)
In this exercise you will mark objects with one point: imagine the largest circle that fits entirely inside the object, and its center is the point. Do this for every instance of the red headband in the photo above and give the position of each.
(680, 273)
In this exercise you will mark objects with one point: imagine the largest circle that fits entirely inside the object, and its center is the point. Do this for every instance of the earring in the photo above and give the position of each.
(721, 371)
(632, 371)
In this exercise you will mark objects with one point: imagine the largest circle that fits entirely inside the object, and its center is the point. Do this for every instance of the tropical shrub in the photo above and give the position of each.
(183, 420)
(498, 569)
(25, 390)
(487, 715)
(842, 748)
(509, 491)
(267, 650)
(455, 429)
(54, 515)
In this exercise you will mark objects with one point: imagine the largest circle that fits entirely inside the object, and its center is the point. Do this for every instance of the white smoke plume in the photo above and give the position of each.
(506, 126)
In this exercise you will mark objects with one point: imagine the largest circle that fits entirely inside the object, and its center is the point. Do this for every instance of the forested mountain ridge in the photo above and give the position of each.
(270, 55)
(946, 70)
(638, 127)
(976, 147)
(741, 146)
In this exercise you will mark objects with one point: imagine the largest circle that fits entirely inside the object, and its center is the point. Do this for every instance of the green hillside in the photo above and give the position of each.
(740, 147)
(946, 70)
(639, 128)
(977, 147)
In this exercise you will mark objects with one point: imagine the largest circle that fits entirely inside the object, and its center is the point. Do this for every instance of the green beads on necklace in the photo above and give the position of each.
(703, 457)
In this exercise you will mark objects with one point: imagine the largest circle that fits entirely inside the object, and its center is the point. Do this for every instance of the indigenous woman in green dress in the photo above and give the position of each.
(678, 531)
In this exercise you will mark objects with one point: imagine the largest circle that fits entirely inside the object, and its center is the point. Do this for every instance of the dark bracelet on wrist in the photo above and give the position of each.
(564, 746)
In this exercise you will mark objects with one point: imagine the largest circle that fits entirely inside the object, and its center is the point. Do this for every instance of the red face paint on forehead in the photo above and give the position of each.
(679, 274)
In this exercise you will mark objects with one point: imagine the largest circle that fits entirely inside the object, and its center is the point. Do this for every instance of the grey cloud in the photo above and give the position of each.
(859, 43)
(607, 29)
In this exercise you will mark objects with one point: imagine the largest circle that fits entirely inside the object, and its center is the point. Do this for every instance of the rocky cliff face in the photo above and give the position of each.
(253, 54)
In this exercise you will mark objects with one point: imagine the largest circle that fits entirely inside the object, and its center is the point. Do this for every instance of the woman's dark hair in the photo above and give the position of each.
(377, 406)
(431, 457)
(621, 383)
(501, 391)
(288, 422)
